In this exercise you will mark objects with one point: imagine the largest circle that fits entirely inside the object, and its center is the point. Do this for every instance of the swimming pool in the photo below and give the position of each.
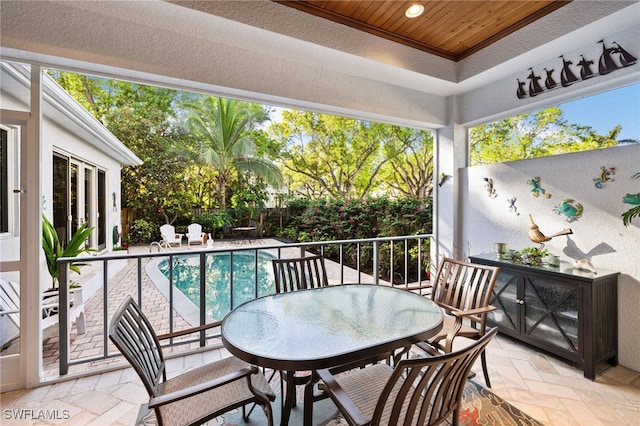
(186, 278)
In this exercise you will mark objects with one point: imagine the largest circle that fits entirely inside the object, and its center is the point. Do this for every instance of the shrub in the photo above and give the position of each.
(143, 232)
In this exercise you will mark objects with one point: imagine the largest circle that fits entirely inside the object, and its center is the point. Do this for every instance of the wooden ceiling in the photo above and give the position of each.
(450, 29)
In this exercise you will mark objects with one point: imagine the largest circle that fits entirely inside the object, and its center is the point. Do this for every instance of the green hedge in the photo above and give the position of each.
(327, 220)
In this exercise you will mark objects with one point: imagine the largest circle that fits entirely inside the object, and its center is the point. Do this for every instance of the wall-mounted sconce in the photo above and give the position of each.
(115, 206)
(443, 178)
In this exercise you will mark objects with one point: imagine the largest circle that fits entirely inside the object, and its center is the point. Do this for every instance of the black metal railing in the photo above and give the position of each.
(400, 261)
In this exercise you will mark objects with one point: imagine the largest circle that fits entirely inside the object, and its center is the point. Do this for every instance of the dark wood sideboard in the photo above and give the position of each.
(566, 311)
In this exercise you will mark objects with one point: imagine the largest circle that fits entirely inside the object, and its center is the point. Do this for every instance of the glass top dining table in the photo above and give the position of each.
(328, 327)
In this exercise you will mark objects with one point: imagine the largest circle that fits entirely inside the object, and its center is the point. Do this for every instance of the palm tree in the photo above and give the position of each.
(222, 129)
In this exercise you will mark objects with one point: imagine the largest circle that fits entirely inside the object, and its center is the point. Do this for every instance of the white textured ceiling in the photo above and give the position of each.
(260, 50)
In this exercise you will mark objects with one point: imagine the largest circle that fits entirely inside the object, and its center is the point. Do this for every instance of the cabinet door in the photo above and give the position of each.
(505, 299)
(551, 312)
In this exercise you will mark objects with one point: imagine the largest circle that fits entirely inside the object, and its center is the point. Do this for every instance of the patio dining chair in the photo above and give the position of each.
(463, 290)
(193, 397)
(417, 391)
(299, 273)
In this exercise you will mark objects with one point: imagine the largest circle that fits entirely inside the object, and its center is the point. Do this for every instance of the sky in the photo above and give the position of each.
(606, 110)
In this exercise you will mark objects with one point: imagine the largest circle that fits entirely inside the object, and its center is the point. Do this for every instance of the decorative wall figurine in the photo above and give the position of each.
(536, 189)
(605, 175)
(585, 71)
(512, 205)
(625, 58)
(534, 86)
(567, 77)
(570, 209)
(537, 236)
(549, 82)
(490, 188)
(606, 64)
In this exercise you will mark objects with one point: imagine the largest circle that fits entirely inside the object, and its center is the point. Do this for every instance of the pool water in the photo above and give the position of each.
(186, 278)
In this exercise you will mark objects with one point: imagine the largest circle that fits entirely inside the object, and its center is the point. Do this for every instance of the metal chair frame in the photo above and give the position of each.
(462, 290)
(417, 391)
(195, 396)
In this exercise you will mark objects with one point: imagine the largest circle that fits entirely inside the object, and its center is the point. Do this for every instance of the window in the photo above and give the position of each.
(4, 182)
(9, 172)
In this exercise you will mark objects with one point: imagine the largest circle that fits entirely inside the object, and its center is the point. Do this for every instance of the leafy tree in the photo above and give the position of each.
(143, 118)
(538, 134)
(334, 156)
(410, 171)
(223, 134)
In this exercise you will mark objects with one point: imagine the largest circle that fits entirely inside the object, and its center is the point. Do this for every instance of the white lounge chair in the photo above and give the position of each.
(10, 312)
(169, 235)
(195, 234)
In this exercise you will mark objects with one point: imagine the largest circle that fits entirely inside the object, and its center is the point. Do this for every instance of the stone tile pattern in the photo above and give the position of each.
(548, 389)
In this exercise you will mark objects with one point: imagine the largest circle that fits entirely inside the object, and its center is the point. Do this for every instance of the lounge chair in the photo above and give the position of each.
(10, 312)
(195, 234)
(169, 235)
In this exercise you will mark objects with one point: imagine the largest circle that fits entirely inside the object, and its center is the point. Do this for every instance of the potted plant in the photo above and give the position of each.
(528, 256)
(53, 250)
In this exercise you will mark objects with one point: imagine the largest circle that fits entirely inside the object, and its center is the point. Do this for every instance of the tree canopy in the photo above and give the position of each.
(537, 134)
(329, 156)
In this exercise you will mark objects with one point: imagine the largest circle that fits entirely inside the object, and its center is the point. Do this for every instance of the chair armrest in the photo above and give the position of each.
(346, 405)
(476, 311)
(189, 330)
(202, 387)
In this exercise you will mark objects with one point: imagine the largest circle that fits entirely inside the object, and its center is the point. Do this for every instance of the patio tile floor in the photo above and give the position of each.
(548, 389)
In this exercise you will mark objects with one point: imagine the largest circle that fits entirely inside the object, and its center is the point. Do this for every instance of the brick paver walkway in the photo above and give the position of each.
(91, 344)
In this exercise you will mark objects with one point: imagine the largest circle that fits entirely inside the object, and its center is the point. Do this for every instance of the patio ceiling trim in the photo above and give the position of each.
(264, 52)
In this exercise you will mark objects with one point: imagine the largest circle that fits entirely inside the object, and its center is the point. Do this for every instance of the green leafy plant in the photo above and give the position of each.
(53, 248)
(633, 211)
(214, 221)
(528, 256)
(143, 231)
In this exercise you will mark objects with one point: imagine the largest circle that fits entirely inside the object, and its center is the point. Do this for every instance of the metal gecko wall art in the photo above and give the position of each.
(537, 189)
(606, 64)
(605, 176)
(491, 189)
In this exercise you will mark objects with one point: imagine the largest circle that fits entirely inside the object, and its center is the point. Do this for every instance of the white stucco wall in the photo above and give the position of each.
(58, 139)
(598, 235)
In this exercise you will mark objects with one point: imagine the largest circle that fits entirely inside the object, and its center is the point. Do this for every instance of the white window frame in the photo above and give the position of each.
(13, 180)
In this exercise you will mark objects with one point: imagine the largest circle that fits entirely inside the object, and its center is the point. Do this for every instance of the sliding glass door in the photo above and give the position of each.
(77, 199)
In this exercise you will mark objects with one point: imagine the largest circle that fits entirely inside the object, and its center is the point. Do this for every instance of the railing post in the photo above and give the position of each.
(63, 316)
(105, 303)
(376, 262)
(203, 297)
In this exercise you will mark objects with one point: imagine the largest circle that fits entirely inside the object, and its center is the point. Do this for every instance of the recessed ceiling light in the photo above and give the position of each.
(414, 11)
